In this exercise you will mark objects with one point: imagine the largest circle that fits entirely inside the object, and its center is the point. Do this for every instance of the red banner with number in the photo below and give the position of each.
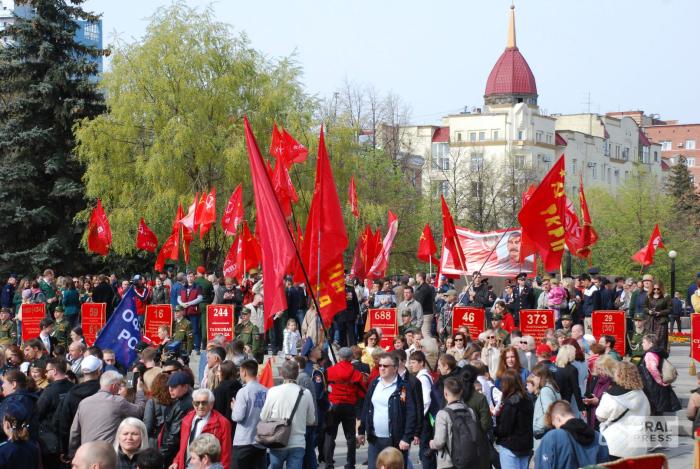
(385, 320)
(220, 321)
(535, 322)
(156, 316)
(473, 318)
(93, 316)
(695, 336)
(32, 314)
(611, 323)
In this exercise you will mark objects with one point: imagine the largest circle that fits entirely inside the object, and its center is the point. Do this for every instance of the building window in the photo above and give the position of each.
(495, 135)
(482, 136)
(626, 153)
(627, 175)
(521, 135)
(609, 176)
(665, 145)
(477, 189)
(549, 137)
(92, 33)
(472, 136)
(519, 161)
(476, 162)
(594, 174)
(441, 155)
(538, 136)
(617, 151)
(606, 147)
(690, 144)
(692, 179)
(574, 165)
(690, 162)
(617, 176)
(458, 136)
(441, 188)
(656, 157)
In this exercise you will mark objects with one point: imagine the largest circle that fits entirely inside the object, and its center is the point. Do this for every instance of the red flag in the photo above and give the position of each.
(359, 263)
(589, 236)
(169, 248)
(543, 217)
(233, 214)
(426, 246)
(207, 213)
(296, 152)
(266, 378)
(276, 245)
(232, 267)
(449, 237)
(373, 249)
(277, 144)
(178, 216)
(286, 194)
(352, 198)
(145, 238)
(325, 239)
(527, 247)
(645, 256)
(251, 249)
(189, 221)
(381, 262)
(99, 232)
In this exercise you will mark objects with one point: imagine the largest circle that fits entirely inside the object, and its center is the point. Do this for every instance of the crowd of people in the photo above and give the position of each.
(500, 399)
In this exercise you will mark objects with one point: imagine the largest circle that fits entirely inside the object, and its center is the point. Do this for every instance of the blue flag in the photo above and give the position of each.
(121, 333)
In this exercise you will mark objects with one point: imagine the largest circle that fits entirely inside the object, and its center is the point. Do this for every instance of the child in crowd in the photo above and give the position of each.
(291, 339)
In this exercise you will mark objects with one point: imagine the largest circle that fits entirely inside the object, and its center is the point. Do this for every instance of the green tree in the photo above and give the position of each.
(174, 125)
(46, 86)
(682, 190)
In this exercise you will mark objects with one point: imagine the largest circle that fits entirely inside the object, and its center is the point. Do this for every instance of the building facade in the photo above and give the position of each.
(678, 142)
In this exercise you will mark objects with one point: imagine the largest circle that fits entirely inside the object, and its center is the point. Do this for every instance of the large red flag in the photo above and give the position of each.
(543, 216)
(251, 249)
(527, 247)
(99, 232)
(450, 240)
(325, 239)
(286, 194)
(233, 214)
(275, 243)
(359, 263)
(381, 262)
(232, 267)
(426, 246)
(645, 256)
(296, 152)
(207, 213)
(178, 216)
(277, 144)
(589, 236)
(352, 198)
(146, 239)
(189, 221)
(169, 248)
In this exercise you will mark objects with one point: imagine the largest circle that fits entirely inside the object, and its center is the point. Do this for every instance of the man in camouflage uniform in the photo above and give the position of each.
(566, 324)
(8, 328)
(635, 336)
(182, 330)
(61, 328)
(248, 333)
(497, 327)
(405, 322)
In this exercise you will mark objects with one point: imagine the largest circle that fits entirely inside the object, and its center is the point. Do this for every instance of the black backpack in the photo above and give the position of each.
(464, 445)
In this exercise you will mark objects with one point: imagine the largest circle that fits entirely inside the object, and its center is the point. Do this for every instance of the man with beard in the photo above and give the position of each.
(635, 336)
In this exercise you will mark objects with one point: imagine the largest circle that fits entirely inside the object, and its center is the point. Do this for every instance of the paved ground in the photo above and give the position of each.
(680, 457)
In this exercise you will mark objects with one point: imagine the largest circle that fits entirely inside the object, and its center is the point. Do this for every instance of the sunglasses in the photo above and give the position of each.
(385, 366)
(200, 403)
(657, 289)
(491, 337)
(459, 340)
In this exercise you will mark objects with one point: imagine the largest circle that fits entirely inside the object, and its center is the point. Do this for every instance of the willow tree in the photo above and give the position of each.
(174, 127)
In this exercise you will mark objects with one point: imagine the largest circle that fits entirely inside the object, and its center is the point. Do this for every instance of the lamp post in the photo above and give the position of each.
(673, 254)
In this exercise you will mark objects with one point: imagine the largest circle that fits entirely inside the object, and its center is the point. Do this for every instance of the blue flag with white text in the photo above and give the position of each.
(121, 333)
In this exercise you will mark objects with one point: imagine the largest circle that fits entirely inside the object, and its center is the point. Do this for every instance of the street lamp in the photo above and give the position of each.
(673, 254)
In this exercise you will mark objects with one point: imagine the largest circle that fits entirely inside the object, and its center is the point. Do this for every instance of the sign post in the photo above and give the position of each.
(612, 323)
(473, 318)
(384, 319)
(220, 321)
(535, 322)
(32, 314)
(93, 316)
(156, 316)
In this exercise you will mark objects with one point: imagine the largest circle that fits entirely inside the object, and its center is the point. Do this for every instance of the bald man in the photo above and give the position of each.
(95, 455)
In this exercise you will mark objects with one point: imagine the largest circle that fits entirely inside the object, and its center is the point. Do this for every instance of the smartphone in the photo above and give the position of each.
(130, 379)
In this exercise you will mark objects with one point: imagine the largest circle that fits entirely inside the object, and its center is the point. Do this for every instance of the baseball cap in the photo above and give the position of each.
(90, 364)
(178, 379)
(201, 270)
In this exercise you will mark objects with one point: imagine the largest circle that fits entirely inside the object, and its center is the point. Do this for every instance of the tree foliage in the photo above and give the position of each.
(45, 88)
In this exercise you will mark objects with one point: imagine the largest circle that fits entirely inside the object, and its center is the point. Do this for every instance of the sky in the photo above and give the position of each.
(597, 55)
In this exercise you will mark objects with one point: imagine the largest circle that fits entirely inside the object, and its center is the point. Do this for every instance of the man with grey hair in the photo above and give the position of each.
(205, 452)
(95, 455)
(203, 419)
(99, 415)
(279, 404)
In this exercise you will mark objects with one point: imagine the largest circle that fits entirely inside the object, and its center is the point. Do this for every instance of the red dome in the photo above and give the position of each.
(511, 75)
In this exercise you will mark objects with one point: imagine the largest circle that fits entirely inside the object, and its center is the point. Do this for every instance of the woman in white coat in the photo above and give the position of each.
(619, 409)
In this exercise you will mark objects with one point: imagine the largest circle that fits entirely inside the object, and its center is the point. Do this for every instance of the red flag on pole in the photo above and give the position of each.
(266, 378)
(359, 263)
(99, 232)
(589, 236)
(232, 267)
(169, 250)
(352, 198)
(233, 214)
(381, 262)
(325, 239)
(207, 215)
(645, 256)
(450, 239)
(296, 152)
(426, 246)
(527, 247)
(543, 216)
(251, 249)
(277, 144)
(286, 194)
(146, 239)
(275, 243)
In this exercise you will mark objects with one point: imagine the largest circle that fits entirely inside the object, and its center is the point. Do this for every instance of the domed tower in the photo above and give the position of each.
(511, 81)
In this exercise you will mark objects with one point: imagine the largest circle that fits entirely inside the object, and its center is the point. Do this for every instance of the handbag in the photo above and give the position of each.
(669, 374)
(274, 433)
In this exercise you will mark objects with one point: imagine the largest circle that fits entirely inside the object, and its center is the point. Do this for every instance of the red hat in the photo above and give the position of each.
(201, 270)
(543, 349)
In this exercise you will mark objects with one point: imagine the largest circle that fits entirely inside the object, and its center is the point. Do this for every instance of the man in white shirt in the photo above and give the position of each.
(49, 342)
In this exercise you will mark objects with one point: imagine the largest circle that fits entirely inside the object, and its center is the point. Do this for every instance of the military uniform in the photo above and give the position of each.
(182, 331)
(248, 334)
(8, 332)
(502, 336)
(634, 340)
(61, 331)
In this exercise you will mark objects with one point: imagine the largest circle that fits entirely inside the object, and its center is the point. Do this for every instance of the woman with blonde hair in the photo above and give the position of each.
(491, 353)
(619, 410)
(567, 377)
(601, 380)
(131, 438)
(390, 458)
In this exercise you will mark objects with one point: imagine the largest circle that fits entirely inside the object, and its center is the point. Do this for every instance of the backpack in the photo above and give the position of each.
(669, 374)
(464, 445)
(437, 402)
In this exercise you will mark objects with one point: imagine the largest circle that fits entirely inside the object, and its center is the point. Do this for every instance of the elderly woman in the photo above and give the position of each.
(459, 348)
(205, 452)
(491, 353)
(131, 438)
(600, 382)
(661, 396)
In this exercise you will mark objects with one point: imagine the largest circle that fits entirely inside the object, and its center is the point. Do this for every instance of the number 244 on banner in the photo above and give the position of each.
(220, 321)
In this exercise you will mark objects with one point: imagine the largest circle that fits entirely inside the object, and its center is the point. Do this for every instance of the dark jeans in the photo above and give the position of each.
(345, 414)
(345, 333)
(275, 333)
(194, 320)
(310, 461)
(672, 320)
(375, 447)
(248, 457)
(428, 458)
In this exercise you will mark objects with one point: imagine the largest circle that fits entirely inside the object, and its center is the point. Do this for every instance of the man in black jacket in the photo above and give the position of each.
(47, 407)
(424, 294)
(181, 392)
(345, 320)
(523, 297)
(104, 293)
